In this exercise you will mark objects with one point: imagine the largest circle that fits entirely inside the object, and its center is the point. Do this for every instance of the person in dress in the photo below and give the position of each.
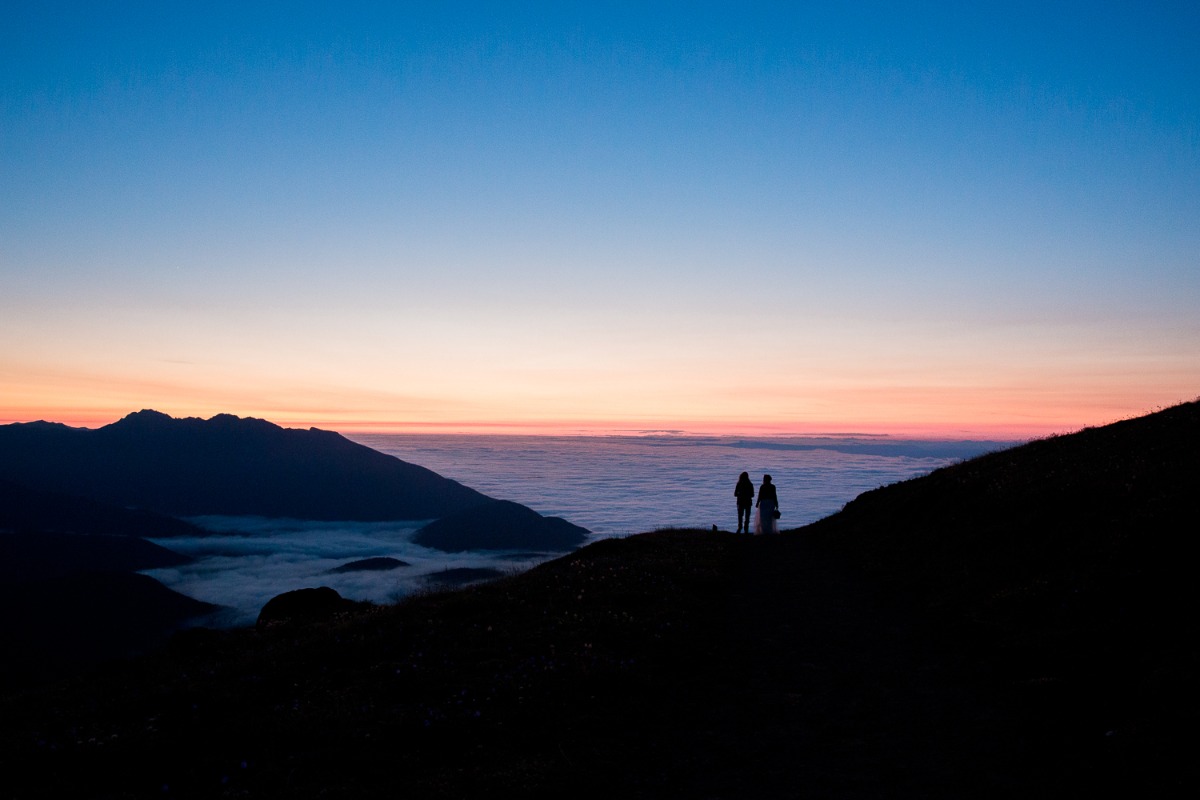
(744, 492)
(768, 504)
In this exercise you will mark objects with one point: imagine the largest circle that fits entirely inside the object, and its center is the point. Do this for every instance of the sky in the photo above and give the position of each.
(933, 218)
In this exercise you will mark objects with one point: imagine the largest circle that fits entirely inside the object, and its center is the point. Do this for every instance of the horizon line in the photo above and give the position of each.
(1007, 432)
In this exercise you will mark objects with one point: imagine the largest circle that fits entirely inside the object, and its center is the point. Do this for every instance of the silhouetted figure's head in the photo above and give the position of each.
(766, 478)
(745, 476)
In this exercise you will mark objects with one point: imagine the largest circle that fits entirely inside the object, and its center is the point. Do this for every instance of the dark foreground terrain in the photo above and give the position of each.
(1019, 625)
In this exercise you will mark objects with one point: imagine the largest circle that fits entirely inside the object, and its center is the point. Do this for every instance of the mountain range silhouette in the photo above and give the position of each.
(226, 465)
(76, 505)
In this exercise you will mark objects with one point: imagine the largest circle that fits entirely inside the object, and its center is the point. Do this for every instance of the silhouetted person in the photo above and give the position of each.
(768, 507)
(744, 492)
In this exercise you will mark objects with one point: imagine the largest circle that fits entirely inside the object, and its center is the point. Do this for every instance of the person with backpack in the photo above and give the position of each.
(744, 492)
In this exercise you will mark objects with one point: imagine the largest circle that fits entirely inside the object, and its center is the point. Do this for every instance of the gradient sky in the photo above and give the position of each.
(752, 217)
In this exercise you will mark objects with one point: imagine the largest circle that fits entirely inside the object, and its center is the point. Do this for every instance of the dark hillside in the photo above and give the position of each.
(1096, 525)
(26, 509)
(27, 557)
(1121, 499)
(960, 635)
(92, 617)
(1063, 573)
(544, 684)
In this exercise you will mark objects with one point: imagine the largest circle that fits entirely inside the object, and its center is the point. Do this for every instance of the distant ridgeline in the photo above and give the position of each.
(248, 467)
(228, 466)
(72, 498)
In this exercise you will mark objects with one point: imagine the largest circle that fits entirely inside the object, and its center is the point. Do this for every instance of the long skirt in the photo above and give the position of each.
(764, 518)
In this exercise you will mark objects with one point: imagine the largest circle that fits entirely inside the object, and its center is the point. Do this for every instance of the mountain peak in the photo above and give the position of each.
(39, 425)
(150, 420)
(146, 418)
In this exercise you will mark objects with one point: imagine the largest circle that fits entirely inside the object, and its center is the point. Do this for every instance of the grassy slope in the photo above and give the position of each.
(1060, 575)
(1017, 625)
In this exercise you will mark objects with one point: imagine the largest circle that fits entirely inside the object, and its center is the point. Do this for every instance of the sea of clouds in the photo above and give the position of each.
(612, 485)
(245, 561)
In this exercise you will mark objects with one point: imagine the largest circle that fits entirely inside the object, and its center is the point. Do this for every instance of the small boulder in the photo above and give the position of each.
(304, 605)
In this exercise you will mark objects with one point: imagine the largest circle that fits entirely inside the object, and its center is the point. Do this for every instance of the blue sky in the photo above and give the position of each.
(763, 216)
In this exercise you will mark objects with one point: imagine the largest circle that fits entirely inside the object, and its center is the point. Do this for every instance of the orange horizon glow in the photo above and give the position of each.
(1017, 427)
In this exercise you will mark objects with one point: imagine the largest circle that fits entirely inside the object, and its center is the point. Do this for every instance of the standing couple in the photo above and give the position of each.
(767, 518)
